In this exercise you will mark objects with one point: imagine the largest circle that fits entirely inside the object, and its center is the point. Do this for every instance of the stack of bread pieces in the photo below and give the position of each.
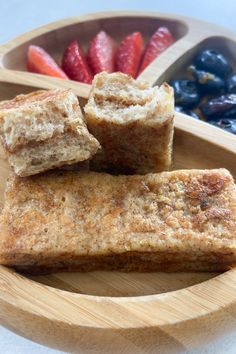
(126, 211)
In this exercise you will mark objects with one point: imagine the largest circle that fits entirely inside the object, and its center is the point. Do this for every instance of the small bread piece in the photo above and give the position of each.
(43, 130)
(133, 123)
(181, 220)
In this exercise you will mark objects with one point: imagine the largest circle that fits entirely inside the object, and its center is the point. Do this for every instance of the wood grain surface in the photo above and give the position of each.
(112, 312)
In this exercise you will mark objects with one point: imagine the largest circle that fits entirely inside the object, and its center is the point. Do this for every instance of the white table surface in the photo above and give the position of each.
(18, 16)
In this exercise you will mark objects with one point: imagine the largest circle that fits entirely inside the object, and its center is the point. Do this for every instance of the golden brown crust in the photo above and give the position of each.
(86, 220)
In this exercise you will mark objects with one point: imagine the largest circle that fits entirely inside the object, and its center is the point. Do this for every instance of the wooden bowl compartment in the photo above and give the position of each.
(56, 41)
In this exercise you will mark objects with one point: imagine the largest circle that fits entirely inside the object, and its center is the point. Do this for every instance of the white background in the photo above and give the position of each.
(20, 16)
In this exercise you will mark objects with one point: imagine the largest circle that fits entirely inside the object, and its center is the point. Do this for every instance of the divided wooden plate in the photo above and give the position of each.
(112, 312)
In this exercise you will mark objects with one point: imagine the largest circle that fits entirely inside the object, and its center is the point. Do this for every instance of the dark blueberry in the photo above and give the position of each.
(219, 106)
(231, 113)
(214, 62)
(224, 123)
(186, 92)
(187, 111)
(231, 84)
(208, 83)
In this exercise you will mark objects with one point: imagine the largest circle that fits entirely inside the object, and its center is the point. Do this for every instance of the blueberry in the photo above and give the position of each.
(187, 111)
(214, 62)
(186, 92)
(231, 84)
(208, 83)
(219, 106)
(231, 113)
(224, 123)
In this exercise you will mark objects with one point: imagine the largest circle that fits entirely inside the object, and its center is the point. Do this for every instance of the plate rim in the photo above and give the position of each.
(158, 308)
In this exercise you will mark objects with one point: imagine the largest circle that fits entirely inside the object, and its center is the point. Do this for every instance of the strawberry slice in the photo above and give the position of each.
(159, 41)
(40, 62)
(75, 64)
(101, 53)
(129, 54)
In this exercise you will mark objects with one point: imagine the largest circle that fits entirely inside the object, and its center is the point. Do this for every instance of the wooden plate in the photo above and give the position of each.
(112, 312)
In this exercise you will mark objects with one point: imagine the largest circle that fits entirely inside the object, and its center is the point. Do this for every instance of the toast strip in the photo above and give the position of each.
(133, 123)
(172, 221)
(43, 130)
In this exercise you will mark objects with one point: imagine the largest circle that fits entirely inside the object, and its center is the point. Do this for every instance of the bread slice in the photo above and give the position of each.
(181, 220)
(133, 122)
(43, 130)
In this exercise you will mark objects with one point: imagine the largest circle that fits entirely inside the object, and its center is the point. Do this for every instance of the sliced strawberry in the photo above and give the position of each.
(75, 64)
(129, 54)
(101, 53)
(40, 62)
(159, 41)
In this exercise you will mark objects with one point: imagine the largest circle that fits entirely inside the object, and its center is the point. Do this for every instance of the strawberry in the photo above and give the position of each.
(159, 41)
(40, 62)
(101, 53)
(75, 64)
(129, 54)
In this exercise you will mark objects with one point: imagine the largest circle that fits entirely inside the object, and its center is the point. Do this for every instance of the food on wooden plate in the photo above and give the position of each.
(40, 62)
(133, 123)
(129, 54)
(101, 56)
(157, 44)
(75, 65)
(208, 83)
(186, 92)
(208, 91)
(224, 105)
(101, 53)
(43, 130)
(214, 62)
(183, 220)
